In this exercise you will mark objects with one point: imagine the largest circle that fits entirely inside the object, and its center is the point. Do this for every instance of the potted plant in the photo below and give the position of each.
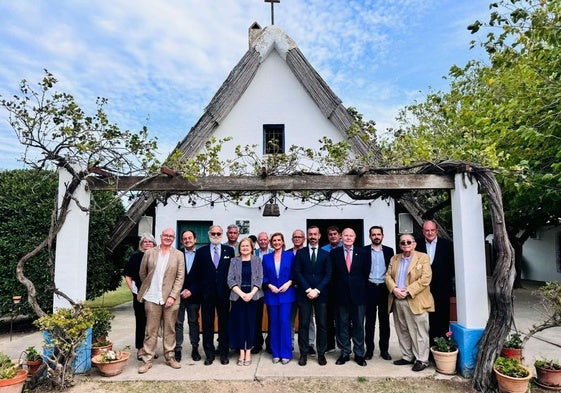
(67, 338)
(12, 377)
(110, 362)
(512, 347)
(33, 360)
(512, 376)
(100, 329)
(445, 354)
(548, 373)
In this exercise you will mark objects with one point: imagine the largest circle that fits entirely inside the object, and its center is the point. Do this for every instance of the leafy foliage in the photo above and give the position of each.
(445, 344)
(511, 367)
(504, 114)
(513, 341)
(67, 329)
(7, 368)
(102, 322)
(27, 198)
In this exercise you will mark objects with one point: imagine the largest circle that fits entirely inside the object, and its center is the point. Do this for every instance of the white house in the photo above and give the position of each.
(273, 93)
(541, 255)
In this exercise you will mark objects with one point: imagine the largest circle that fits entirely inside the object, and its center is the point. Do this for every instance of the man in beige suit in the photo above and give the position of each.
(162, 272)
(408, 279)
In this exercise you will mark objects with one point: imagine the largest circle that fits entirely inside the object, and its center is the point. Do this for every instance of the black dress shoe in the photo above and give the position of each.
(224, 359)
(419, 366)
(360, 361)
(208, 361)
(311, 350)
(195, 355)
(342, 359)
(368, 355)
(256, 350)
(385, 356)
(177, 355)
(321, 360)
(402, 362)
(303, 360)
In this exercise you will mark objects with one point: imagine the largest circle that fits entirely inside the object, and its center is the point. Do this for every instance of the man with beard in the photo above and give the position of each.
(377, 295)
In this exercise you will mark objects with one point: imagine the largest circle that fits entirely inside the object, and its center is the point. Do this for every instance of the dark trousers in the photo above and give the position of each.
(259, 305)
(439, 320)
(241, 324)
(209, 306)
(353, 315)
(304, 318)
(192, 311)
(140, 322)
(377, 303)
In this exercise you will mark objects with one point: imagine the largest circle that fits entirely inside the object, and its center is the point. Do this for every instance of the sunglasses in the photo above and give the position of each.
(405, 242)
(215, 234)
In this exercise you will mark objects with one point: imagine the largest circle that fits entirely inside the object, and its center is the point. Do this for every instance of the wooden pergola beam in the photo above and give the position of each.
(275, 183)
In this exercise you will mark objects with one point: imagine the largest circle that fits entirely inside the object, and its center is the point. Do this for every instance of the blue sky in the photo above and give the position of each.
(160, 62)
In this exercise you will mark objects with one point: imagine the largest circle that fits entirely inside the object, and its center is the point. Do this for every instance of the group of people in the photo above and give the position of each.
(338, 292)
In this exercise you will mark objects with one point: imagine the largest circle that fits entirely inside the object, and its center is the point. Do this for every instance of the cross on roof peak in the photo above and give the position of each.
(272, 9)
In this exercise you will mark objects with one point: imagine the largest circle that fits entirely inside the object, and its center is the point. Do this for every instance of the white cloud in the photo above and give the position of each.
(164, 60)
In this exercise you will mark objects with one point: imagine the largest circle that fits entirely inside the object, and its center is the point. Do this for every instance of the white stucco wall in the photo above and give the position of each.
(274, 97)
(379, 213)
(539, 256)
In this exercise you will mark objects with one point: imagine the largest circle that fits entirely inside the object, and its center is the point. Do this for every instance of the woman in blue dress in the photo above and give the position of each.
(245, 278)
(279, 296)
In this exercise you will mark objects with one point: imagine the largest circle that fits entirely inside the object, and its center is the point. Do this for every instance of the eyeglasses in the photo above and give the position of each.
(215, 233)
(298, 237)
(168, 236)
(406, 242)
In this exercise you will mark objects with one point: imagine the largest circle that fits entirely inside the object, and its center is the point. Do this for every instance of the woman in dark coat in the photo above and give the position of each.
(245, 277)
(132, 277)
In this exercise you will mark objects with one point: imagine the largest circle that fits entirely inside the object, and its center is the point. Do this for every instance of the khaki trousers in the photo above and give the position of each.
(157, 314)
(412, 332)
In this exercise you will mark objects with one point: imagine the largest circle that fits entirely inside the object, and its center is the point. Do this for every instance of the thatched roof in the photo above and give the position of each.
(262, 43)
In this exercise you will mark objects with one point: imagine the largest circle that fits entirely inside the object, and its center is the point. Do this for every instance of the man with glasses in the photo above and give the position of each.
(162, 272)
(408, 280)
(212, 261)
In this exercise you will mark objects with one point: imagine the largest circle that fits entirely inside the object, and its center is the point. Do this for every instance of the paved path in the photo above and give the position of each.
(547, 344)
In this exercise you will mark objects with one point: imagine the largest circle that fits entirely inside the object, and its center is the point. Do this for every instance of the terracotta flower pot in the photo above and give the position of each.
(97, 350)
(511, 384)
(33, 366)
(514, 353)
(445, 361)
(548, 377)
(113, 367)
(15, 384)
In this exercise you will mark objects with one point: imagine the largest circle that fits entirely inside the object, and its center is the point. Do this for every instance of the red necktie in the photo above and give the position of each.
(348, 259)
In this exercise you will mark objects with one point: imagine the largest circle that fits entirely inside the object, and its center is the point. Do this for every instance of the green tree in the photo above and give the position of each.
(26, 203)
(504, 114)
(57, 133)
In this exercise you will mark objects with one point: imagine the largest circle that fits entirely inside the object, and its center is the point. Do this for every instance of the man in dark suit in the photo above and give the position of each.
(351, 267)
(377, 294)
(212, 262)
(312, 272)
(441, 254)
(190, 299)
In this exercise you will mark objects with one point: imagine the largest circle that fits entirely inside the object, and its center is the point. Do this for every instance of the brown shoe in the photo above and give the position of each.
(145, 367)
(173, 363)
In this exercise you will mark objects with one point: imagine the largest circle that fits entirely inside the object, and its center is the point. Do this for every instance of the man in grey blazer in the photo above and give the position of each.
(162, 272)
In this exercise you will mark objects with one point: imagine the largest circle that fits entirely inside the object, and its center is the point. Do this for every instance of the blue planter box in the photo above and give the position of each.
(83, 361)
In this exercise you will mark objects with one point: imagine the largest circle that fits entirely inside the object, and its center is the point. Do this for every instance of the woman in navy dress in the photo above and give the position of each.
(279, 296)
(245, 278)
